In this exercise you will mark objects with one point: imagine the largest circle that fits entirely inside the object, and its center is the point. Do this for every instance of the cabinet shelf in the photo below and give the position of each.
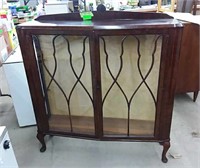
(112, 126)
(80, 124)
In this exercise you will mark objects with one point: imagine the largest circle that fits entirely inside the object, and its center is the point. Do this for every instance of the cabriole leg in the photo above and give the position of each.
(40, 137)
(166, 146)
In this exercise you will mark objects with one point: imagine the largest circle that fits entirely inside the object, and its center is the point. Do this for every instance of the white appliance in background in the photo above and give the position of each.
(7, 156)
(17, 82)
(56, 7)
(115, 3)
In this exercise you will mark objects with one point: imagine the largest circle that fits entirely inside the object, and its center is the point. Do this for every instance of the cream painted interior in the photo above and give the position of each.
(80, 104)
(142, 106)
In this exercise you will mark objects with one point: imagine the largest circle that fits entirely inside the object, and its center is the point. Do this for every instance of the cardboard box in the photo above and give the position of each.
(10, 37)
(3, 50)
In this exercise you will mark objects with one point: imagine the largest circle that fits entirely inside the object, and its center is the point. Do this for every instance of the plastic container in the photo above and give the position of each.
(86, 15)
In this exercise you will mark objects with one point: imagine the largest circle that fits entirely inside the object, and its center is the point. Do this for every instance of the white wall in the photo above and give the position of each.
(31, 3)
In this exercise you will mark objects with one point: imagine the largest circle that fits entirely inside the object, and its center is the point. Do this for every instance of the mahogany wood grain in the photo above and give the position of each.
(188, 68)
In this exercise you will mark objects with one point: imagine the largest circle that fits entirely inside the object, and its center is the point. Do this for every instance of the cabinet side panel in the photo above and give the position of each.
(188, 68)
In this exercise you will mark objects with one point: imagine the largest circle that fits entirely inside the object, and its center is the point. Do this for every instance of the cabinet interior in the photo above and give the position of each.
(129, 81)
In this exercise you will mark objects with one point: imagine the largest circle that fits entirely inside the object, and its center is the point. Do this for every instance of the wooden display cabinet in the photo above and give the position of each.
(109, 78)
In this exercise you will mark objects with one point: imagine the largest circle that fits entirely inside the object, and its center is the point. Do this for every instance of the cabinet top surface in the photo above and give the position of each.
(104, 21)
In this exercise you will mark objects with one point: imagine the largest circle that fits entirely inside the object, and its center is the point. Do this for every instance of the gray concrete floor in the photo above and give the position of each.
(77, 153)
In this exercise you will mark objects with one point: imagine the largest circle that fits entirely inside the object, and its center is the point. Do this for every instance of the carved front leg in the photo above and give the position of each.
(166, 146)
(40, 137)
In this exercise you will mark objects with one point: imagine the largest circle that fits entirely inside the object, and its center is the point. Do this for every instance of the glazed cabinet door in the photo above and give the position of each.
(130, 66)
(65, 73)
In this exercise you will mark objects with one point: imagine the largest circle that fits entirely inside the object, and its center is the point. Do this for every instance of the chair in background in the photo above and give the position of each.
(196, 3)
(166, 5)
(187, 6)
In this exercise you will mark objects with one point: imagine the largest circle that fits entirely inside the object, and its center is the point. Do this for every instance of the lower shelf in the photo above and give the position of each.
(111, 126)
(61, 123)
(115, 126)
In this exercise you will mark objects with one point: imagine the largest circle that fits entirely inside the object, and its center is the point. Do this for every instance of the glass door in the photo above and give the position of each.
(64, 63)
(130, 73)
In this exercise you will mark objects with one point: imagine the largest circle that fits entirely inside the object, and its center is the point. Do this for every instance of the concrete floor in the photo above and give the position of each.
(65, 152)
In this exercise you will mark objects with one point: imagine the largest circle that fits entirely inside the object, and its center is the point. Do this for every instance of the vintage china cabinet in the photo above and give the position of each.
(109, 78)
